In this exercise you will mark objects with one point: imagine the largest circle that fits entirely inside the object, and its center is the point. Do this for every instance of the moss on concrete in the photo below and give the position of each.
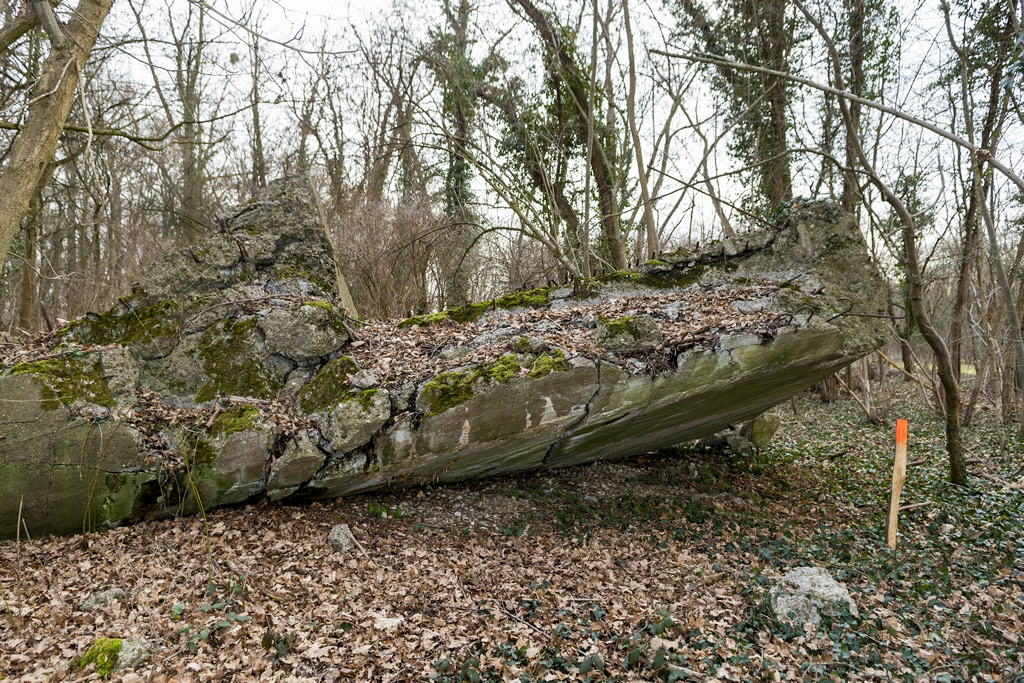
(520, 344)
(617, 326)
(139, 325)
(532, 298)
(70, 378)
(619, 276)
(103, 654)
(424, 320)
(363, 398)
(235, 419)
(229, 369)
(329, 387)
(546, 363)
(450, 389)
(447, 390)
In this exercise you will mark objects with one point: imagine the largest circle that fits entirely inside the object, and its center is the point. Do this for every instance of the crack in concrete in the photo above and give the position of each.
(569, 430)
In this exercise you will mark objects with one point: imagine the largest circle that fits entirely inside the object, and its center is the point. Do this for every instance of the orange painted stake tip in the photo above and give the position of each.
(901, 431)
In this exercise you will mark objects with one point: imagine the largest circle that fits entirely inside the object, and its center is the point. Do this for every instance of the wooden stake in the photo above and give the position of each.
(899, 476)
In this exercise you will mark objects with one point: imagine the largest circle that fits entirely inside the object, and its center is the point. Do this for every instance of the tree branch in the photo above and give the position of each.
(983, 155)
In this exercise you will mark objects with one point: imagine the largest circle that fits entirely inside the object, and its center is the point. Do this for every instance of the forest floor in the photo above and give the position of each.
(652, 568)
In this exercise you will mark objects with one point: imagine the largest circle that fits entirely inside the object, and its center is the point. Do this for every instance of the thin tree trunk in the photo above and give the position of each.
(650, 228)
(915, 281)
(600, 166)
(36, 143)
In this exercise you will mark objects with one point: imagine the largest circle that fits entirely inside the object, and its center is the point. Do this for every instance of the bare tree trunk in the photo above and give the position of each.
(915, 281)
(855, 23)
(650, 228)
(259, 161)
(566, 70)
(28, 295)
(36, 143)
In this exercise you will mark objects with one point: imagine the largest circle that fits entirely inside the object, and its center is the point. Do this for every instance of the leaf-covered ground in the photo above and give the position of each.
(655, 568)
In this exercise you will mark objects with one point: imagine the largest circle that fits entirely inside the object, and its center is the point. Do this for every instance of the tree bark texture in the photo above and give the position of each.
(36, 144)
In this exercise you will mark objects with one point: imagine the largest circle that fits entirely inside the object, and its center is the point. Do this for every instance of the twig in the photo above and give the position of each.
(855, 397)
(915, 505)
(359, 545)
(536, 628)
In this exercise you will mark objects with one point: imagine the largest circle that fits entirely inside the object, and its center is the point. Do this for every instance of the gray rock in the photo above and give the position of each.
(299, 462)
(133, 652)
(760, 430)
(102, 598)
(355, 420)
(229, 326)
(341, 539)
(122, 373)
(629, 333)
(806, 593)
(304, 333)
(364, 379)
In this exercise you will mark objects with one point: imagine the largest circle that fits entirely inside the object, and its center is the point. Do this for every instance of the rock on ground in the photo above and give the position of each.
(806, 593)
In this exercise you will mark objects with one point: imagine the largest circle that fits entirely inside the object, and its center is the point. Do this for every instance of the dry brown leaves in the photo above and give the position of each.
(420, 595)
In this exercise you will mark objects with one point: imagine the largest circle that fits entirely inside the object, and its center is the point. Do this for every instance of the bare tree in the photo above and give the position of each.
(47, 110)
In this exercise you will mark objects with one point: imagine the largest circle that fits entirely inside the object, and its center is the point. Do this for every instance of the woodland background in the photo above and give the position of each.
(465, 149)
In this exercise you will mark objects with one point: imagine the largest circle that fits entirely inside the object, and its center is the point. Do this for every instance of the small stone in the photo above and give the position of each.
(102, 598)
(133, 652)
(341, 539)
(628, 333)
(806, 593)
(364, 379)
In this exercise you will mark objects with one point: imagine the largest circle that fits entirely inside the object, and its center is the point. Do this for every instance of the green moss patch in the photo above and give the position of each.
(330, 386)
(140, 325)
(533, 298)
(235, 419)
(70, 378)
(450, 389)
(103, 654)
(617, 326)
(447, 390)
(547, 363)
(230, 369)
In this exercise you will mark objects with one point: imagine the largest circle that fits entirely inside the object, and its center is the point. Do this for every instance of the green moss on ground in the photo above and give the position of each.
(103, 654)
(70, 378)
(329, 387)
